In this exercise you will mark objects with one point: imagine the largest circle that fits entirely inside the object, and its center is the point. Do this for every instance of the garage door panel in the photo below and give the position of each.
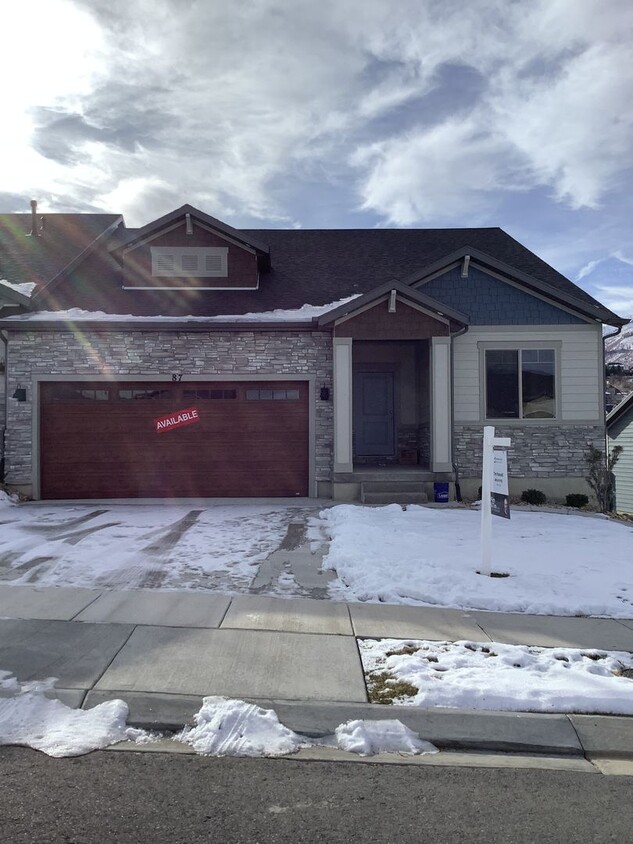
(109, 448)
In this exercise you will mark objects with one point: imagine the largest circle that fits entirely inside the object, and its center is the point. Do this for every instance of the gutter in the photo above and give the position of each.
(104, 326)
(5, 378)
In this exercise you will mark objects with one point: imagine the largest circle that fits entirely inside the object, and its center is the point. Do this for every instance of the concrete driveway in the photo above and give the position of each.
(231, 546)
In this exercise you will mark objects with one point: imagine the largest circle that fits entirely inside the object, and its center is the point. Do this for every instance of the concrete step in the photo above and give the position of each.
(393, 486)
(394, 497)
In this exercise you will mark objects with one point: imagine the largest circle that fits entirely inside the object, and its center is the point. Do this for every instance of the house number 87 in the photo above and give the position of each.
(176, 376)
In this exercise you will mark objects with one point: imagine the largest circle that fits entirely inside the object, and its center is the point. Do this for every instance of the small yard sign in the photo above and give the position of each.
(494, 485)
(176, 420)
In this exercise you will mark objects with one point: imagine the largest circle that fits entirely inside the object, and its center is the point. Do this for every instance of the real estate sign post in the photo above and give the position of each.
(491, 482)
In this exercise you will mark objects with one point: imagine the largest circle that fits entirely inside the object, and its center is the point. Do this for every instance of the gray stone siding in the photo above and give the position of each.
(544, 451)
(154, 355)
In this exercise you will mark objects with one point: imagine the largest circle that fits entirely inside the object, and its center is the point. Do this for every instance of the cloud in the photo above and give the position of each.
(430, 115)
(619, 298)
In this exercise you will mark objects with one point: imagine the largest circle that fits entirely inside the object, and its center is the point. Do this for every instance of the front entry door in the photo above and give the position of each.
(373, 414)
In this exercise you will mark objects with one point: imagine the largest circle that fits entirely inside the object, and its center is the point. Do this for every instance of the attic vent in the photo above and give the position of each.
(182, 261)
(213, 263)
(163, 265)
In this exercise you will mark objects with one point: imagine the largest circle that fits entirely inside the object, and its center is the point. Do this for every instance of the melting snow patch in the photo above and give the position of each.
(28, 717)
(491, 675)
(226, 727)
(390, 736)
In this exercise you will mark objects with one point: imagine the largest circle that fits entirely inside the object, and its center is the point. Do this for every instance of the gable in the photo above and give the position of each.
(189, 255)
(405, 322)
(490, 301)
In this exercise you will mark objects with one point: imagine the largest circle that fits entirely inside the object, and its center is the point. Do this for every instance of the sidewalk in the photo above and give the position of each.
(162, 652)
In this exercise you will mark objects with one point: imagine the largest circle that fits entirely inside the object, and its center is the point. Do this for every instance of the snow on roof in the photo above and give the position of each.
(304, 313)
(26, 289)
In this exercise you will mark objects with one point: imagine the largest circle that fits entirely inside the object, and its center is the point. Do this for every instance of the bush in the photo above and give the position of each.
(577, 499)
(600, 477)
(533, 496)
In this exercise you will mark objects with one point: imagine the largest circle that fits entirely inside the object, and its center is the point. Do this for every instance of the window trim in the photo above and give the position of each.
(520, 345)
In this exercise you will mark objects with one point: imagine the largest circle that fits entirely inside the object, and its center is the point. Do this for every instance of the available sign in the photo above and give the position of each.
(177, 419)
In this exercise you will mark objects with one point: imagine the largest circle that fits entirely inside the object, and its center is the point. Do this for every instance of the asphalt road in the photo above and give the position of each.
(147, 797)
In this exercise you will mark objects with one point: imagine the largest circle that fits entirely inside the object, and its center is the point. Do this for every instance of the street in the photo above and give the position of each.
(182, 799)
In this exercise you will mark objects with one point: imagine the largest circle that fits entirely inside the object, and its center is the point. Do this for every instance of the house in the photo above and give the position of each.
(335, 363)
(620, 432)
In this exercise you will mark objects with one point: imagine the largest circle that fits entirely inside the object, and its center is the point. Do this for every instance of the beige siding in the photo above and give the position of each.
(621, 433)
(580, 384)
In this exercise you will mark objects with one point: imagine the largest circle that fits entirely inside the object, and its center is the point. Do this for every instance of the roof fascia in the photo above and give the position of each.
(205, 219)
(102, 326)
(373, 296)
(597, 312)
(620, 410)
(77, 260)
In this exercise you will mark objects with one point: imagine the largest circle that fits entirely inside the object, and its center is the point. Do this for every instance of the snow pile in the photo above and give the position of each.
(7, 500)
(28, 717)
(472, 675)
(389, 736)
(304, 313)
(558, 564)
(226, 727)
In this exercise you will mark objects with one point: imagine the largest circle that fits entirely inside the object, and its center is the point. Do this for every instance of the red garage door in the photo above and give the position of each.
(100, 440)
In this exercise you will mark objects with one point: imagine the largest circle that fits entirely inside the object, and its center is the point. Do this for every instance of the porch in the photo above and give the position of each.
(389, 484)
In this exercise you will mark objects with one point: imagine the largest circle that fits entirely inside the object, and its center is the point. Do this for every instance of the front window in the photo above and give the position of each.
(520, 383)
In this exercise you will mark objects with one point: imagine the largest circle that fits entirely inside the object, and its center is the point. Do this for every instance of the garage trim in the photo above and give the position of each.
(39, 378)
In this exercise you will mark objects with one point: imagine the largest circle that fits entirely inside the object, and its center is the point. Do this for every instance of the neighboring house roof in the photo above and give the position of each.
(63, 238)
(306, 266)
(620, 410)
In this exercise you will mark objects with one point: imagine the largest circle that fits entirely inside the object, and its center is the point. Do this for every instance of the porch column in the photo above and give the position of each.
(343, 455)
(441, 451)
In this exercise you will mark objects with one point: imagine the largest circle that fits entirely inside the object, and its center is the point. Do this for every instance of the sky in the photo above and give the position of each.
(336, 114)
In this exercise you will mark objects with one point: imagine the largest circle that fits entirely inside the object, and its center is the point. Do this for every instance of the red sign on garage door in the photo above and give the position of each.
(177, 419)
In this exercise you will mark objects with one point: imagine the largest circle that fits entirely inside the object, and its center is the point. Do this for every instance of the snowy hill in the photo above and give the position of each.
(620, 349)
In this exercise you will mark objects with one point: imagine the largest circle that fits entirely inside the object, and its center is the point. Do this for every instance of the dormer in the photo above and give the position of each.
(189, 250)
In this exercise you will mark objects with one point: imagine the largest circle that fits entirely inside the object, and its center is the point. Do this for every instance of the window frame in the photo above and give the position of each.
(519, 346)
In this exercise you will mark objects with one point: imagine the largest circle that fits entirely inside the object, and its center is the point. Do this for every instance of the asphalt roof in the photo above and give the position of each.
(308, 266)
(63, 238)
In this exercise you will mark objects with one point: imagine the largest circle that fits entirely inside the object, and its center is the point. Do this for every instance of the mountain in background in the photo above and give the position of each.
(620, 349)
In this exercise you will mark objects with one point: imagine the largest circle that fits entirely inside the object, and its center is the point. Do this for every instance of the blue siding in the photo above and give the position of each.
(488, 301)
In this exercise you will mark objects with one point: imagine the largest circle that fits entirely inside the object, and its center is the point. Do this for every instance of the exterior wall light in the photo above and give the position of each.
(20, 393)
(325, 393)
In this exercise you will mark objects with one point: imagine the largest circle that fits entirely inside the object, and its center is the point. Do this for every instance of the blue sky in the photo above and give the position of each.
(342, 113)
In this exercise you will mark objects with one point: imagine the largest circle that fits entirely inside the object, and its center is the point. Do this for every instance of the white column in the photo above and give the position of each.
(441, 456)
(343, 454)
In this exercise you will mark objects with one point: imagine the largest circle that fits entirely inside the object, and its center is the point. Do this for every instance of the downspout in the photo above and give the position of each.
(458, 491)
(604, 386)
(5, 340)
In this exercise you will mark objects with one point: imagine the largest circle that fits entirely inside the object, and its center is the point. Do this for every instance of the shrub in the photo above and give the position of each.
(533, 496)
(577, 499)
(600, 477)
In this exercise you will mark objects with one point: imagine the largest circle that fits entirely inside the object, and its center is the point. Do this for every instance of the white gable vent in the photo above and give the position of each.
(183, 261)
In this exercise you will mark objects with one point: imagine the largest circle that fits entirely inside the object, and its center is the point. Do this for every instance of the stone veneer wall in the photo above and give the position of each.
(153, 355)
(543, 451)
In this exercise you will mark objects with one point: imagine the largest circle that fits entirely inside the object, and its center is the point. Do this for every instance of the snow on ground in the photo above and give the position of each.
(389, 736)
(226, 727)
(223, 727)
(28, 717)
(129, 546)
(472, 675)
(558, 564)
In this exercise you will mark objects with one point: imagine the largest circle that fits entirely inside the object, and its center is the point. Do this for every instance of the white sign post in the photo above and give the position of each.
(487, 480)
